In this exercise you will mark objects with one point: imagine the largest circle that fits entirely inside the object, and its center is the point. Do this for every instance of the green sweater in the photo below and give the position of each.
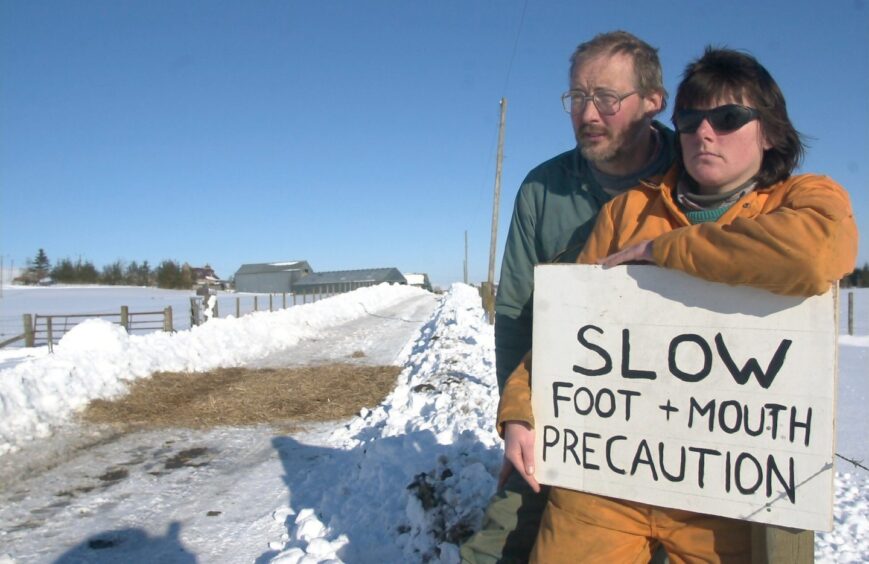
(554, 214)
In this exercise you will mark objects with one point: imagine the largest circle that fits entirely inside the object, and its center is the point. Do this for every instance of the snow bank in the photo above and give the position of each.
(849, 539)
(97, 359)
(419, 469)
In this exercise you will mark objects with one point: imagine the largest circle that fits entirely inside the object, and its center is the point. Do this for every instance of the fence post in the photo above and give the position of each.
(167, 319)
(256, 303)
(294, 298)
(194, 312)
(285, 301)
(771, 544)
(125, 318)
(28, 330)
(270, 302)
(850, 313)
(50, 334)
(237, 307)
(488, 295)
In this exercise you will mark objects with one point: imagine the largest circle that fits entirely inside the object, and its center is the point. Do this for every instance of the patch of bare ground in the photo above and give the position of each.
(241, 396)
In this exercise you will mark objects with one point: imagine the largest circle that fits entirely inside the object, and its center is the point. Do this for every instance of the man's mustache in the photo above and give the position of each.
(592, 130)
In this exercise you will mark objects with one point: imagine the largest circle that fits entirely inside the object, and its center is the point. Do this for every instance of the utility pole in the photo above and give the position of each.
(489, 290)
(466, 257)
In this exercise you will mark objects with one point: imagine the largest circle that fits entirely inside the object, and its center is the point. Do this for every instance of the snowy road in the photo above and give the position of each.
(180, 495)
(380, 335)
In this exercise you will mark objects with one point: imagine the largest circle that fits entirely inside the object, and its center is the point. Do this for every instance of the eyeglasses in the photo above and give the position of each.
(607, 102)
(723, 119)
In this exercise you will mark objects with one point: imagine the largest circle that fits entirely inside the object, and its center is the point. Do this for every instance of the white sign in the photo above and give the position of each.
(657, 387)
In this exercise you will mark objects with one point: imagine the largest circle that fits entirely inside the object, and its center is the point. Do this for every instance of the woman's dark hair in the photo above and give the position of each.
(725, 73)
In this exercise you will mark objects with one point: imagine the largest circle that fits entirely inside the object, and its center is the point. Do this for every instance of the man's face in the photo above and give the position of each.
(611, 142)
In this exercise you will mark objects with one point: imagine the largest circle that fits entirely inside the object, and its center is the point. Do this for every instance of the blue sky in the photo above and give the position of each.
(351, 134)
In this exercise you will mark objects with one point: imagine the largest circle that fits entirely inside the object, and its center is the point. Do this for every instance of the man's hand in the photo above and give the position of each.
(641, 252)
(518, 453)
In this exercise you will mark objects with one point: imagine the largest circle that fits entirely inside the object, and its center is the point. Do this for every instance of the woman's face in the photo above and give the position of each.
(720, 160)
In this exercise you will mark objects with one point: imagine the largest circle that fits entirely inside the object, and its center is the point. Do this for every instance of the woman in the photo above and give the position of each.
(728, 211)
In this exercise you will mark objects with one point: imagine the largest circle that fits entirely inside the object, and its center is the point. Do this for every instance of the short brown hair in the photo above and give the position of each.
(647, 67)
(722, 73)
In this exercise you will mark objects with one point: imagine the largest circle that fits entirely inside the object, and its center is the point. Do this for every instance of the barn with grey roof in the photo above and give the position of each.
(339, 281)
(271, 277)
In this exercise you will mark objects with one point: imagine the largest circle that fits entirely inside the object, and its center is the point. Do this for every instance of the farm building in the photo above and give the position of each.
(205, 276)
(420, 280)
(340, 281)
(270, 277)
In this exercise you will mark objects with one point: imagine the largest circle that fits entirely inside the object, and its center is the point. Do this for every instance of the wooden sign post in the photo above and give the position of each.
(657, 387)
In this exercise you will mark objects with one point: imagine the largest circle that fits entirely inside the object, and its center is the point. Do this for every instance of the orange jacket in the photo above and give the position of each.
(797, 237)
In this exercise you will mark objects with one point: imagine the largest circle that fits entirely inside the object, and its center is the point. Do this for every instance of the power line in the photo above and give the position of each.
(515, 48)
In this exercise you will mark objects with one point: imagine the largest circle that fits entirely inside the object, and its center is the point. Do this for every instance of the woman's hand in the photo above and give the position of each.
(641, 252)
(518, 453)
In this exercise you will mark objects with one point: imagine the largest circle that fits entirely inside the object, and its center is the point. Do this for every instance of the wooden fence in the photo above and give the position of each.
(198, 304)
(39, 329)
(48, 329)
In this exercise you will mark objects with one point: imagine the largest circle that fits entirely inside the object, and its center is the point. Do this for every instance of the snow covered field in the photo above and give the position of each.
(397, 483)
(64, 300)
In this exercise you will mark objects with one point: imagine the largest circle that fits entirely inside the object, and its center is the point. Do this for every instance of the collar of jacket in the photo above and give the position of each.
(671, 177)
(667, 188)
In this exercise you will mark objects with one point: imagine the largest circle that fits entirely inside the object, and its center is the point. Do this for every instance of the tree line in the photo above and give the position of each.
(168, 274)
(857, 279)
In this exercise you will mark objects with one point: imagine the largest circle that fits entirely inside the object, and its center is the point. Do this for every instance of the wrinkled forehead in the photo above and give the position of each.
(613, 71)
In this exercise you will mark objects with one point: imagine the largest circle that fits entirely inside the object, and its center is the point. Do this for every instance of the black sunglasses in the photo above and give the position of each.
(723, 119)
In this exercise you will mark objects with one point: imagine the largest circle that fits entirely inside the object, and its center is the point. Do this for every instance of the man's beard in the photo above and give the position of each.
(600, 152)
(613, 148)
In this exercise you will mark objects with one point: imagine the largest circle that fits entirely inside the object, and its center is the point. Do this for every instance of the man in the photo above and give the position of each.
(616, 90)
